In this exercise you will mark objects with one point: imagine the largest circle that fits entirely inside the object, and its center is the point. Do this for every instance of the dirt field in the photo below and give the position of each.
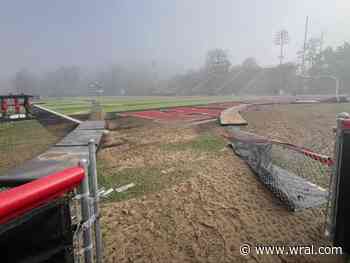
(308, 125)
(194, 200)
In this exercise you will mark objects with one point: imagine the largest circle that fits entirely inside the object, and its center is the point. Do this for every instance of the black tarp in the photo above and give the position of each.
(42, 235)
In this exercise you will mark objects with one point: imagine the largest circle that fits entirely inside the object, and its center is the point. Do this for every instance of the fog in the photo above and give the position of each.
(151, 42)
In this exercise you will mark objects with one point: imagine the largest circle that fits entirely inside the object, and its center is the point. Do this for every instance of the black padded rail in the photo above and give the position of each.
(47, 116)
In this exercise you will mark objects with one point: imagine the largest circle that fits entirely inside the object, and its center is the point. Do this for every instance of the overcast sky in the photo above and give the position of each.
(42, 34)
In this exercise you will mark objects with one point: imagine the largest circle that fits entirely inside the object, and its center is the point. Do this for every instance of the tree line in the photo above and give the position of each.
(115, 80)
(315, 76)
(218, 76)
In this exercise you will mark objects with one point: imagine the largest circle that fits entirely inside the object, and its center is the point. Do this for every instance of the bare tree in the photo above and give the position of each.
(250, 63)
(217, 61)
(24, 82)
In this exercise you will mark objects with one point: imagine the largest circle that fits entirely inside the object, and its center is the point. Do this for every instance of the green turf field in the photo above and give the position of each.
(79, 105)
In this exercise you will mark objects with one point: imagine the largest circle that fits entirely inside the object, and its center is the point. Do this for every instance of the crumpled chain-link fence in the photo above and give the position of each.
(297, 176)
(313, 168)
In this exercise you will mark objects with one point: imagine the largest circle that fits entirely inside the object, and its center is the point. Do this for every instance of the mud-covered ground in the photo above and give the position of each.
(308, 125)
(194, 200)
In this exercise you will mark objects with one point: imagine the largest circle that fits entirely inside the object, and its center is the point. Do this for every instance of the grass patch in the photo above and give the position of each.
(118, 104)
(22, 140)
(203, 143)
(146, 180)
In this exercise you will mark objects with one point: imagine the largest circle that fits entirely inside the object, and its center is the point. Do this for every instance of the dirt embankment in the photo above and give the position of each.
(207, 204)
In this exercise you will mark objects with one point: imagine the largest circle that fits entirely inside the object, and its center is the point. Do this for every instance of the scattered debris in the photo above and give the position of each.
(105, 193)
(124, 188)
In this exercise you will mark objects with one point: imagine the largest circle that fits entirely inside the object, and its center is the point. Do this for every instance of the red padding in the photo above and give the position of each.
(346, 124)
(21, 199)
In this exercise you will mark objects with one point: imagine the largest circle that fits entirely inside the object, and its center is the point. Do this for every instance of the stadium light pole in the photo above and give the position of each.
(281, 39)
(305, 45)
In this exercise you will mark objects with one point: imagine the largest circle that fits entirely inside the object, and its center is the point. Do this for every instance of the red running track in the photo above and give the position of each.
(190, 114)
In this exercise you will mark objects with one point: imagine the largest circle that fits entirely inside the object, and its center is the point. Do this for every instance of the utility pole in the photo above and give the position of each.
(305, 45)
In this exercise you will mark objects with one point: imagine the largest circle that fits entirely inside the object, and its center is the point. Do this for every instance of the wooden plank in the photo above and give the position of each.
(231, 116)
(92, 125)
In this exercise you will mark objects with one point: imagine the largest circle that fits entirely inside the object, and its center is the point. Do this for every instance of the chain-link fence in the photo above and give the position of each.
(87, 235)
(306, 164)
(297, 176)
(79, 226)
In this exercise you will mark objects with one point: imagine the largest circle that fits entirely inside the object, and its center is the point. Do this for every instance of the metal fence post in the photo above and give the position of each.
(95, 196)
(334, 180)
(85, 213)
